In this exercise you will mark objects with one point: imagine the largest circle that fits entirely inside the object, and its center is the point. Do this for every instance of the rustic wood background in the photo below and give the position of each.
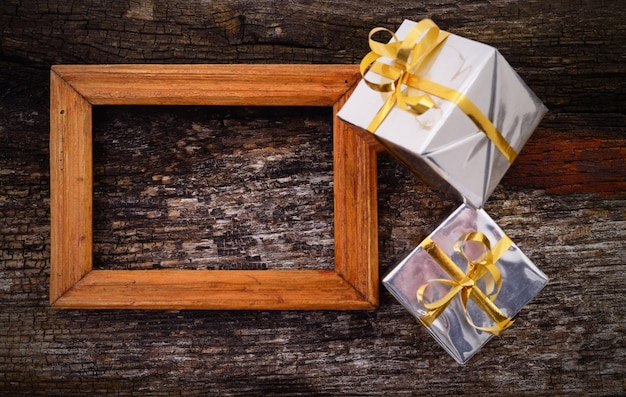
(166, 178)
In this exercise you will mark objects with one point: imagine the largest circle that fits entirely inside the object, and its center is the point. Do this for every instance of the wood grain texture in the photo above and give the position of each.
(563, 203)
(590, 162)
(215, 289)
(71, 171)
(354, 154)
(228, 85)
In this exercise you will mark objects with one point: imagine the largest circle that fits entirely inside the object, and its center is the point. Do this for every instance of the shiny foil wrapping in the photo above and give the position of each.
(521, 281)
(443, 145)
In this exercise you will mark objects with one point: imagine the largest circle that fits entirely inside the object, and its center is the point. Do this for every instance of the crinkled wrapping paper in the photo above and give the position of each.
(443, 145)
(521, 281)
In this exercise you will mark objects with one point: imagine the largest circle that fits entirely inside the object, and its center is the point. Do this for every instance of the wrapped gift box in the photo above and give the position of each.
(444, 145)
(469, 239)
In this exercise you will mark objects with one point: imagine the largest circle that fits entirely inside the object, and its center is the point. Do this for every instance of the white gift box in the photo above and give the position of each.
(521, 280)
(444, 145)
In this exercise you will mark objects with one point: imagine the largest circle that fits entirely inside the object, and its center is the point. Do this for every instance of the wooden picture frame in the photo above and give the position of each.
(353, 284)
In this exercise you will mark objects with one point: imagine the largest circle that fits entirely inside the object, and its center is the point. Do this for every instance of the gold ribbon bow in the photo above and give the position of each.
(464, 284)
(407, 56)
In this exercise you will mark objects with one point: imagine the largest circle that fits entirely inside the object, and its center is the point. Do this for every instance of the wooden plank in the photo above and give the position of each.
(214, 290)
(228, 85)
(356, 201)
(564, 164)
(70, 187)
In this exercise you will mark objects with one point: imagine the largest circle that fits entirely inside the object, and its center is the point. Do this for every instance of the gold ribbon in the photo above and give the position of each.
(407, 56)
(464, 284)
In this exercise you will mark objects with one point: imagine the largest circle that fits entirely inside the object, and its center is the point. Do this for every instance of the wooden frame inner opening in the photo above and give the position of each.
(351, 285)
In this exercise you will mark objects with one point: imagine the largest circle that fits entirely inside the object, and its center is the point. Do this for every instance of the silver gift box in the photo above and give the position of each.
(521, 281)
(443, 145)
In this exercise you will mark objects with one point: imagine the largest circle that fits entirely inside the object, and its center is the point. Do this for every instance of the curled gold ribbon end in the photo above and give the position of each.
(405, 56)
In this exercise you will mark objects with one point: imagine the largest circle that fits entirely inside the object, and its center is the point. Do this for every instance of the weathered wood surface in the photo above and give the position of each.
(563, 202)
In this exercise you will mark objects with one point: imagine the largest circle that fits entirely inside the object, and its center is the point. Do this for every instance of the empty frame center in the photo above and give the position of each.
(212, 188)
